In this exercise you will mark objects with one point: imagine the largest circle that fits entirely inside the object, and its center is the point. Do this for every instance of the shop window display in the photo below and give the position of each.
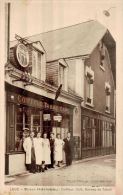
(26, 118)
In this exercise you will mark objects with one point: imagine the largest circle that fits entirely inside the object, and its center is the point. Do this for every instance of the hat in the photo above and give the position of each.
(26, 129)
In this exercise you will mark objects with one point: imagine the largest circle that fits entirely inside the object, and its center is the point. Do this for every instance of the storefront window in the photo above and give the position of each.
(91, 132)
(26, 117)
(88, 134)
(61, 127)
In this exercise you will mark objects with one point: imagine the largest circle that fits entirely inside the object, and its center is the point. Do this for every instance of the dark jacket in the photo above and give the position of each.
(68, 145)
(52, 144)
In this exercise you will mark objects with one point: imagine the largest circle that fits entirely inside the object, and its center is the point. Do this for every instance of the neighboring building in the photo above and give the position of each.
(81, 58)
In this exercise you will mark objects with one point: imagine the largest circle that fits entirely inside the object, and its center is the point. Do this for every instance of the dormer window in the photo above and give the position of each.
(63, 74)
(108, 97)
(89, 86)
(29, 58)
(38, 64)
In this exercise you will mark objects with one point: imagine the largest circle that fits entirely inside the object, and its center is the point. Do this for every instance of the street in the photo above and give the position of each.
(95, 172)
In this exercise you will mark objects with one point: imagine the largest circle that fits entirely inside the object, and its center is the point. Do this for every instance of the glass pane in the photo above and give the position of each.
(19, 127)
(19, 116)
(19, 141)
(36, 120)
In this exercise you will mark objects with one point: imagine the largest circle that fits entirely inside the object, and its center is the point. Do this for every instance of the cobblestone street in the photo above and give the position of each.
(96, 172)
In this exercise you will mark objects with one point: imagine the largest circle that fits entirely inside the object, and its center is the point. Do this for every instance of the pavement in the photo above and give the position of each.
(97, 172)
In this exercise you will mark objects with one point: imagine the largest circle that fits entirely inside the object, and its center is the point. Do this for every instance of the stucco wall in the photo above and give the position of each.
(71, 74)
(76, 76)
(100, 77)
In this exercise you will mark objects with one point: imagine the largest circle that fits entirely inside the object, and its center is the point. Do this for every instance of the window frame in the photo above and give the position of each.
(64, 65)
(102, 53)
(108, 97)
(90, 81)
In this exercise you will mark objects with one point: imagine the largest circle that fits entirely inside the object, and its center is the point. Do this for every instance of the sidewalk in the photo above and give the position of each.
(107, 159)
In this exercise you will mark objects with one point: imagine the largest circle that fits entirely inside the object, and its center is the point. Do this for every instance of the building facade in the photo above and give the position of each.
(98, 116)
(30, 103)
(81, 62)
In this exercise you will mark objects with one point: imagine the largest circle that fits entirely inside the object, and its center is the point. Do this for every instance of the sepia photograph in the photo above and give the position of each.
(60, 88)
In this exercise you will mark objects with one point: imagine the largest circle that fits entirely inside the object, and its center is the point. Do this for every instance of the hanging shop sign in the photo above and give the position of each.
(46, 117)
(19, 56)
(22, 55)
(57, 118)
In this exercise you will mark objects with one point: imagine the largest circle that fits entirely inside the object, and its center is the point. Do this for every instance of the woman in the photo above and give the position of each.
(46, 152)
(58, 150)
(38, 151)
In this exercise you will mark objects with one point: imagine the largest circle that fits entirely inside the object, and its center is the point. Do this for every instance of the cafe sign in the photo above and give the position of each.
(57, 118)
(46, 117)
(22, 55)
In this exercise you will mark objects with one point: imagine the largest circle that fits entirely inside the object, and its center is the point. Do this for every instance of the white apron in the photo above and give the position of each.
(46, 151)
(27, 145)
(39, 150)
(59, 149)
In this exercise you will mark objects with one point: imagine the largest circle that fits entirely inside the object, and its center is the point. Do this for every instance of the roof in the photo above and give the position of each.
(75, 40)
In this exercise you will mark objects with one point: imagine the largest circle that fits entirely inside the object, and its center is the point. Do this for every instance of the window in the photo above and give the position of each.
(33, 59)
(102, 54)
(108, 97)
(26, 117)
(39, 66)
(63, 77)
(107, 140)
(34, 63)
(89, 86)
(88, 132)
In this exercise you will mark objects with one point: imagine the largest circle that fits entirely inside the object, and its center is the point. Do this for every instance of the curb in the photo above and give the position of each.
(92, 158)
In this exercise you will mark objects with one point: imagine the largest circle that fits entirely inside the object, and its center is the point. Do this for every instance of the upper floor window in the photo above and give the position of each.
(89, 86)
(33, 59)
(37, 64)
(102, 51)
(108, 96)
(38, 61)
(63, 75)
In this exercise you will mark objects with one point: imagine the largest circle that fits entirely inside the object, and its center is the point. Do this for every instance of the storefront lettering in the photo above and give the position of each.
(29, 101)
(20, 99)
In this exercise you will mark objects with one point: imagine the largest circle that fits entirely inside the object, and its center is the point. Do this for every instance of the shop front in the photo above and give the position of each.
(98, 134)
(37, 113)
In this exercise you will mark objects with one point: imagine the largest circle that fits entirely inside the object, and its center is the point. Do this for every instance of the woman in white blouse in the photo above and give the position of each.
(46, 152)
(39, 151)
(58, 150)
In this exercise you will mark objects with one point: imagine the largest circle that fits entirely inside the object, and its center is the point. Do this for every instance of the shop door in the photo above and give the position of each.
(88, 137)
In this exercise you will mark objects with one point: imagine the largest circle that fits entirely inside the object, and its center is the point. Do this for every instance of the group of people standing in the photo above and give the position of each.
(43, 153)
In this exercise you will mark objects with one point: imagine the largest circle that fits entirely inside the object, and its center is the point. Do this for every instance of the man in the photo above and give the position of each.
(24, 136)
(68, 148)
(52, 142)
(29, 148)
